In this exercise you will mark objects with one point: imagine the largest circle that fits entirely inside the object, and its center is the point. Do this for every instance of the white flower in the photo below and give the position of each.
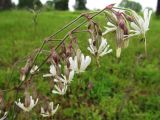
(23, 77)
(34, 69)
(110, 28)
(50, 111)
(141, 25)
(79, 63)
(65, 79)
(102, 50)
(53, 71)
(60, 89)
(4, 116)
(27, 108)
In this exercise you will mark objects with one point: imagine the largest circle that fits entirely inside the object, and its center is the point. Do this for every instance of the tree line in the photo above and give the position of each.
(57, 4)
(63, 4)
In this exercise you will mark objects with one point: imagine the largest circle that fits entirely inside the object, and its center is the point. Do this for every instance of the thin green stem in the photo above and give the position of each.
(127, 9)
(66, 26)
(145, 45)
(67, 36)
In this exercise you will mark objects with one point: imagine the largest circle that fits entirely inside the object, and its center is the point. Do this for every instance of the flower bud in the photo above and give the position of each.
(122, 23)
(54, 56)
(69, 50)
(23, 72)
(27, 99)
(110, 6)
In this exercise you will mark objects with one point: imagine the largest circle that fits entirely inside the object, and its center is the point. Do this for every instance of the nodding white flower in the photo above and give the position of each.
(102, 50)
(60, 89)
(34, 69)
(79, 63)
(65, 78)
(53, 71)
(30, 106)
(4, 116)
(50, 110)
(141, 25)
(112, 24)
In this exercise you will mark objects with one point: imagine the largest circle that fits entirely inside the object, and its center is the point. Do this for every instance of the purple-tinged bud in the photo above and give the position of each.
(69, 49)
(54, 56)
(121, 24)
(23, 72)
(126, 32)
(128, 17)
(110, 6)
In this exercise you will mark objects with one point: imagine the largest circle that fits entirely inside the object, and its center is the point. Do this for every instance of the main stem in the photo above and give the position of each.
(145, 45)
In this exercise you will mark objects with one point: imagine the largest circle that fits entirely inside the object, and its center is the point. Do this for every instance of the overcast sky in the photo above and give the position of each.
(91, 4)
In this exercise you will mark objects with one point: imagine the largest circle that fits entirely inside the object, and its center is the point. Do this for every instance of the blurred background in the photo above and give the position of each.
(78, 4)
(121, 89)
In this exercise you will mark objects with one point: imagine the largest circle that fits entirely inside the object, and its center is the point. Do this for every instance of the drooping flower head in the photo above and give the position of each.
(117, 23)
(4, 116)
(60, 88)
(50, 111)
(102, 50)
(53, 71)
(28, 105)
(34, 69)
(79, 63)
(140, 25)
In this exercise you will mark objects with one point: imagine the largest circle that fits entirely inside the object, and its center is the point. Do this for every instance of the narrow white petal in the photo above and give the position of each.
(111, 29)
(55, 92)
(76, 63)
(91, 50)
(87, 61)
(110, 24)
(54, 111)
(106, 51)
(102, 45)
(135, 27)
(47, 75)
(53, 70)
(71, 75)
(72, 63)
(82, 66)
(42, 110)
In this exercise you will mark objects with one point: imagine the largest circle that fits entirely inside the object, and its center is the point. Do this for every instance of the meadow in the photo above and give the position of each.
(121, 89)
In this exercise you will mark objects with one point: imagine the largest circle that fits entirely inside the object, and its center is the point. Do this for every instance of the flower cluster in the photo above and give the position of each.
(140, 25)
(127, 26)
(49, 111)
(28, 105)
(63, 78)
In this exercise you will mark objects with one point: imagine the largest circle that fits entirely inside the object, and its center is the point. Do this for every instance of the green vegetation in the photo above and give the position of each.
(123, 89)
(131, 4)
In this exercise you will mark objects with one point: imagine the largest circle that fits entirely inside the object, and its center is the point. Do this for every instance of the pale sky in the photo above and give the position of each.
(100, 4)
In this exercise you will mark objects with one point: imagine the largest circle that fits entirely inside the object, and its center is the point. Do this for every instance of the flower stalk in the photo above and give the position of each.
(71, 61)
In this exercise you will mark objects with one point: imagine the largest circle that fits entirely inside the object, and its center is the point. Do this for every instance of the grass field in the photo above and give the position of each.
(126, 89)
